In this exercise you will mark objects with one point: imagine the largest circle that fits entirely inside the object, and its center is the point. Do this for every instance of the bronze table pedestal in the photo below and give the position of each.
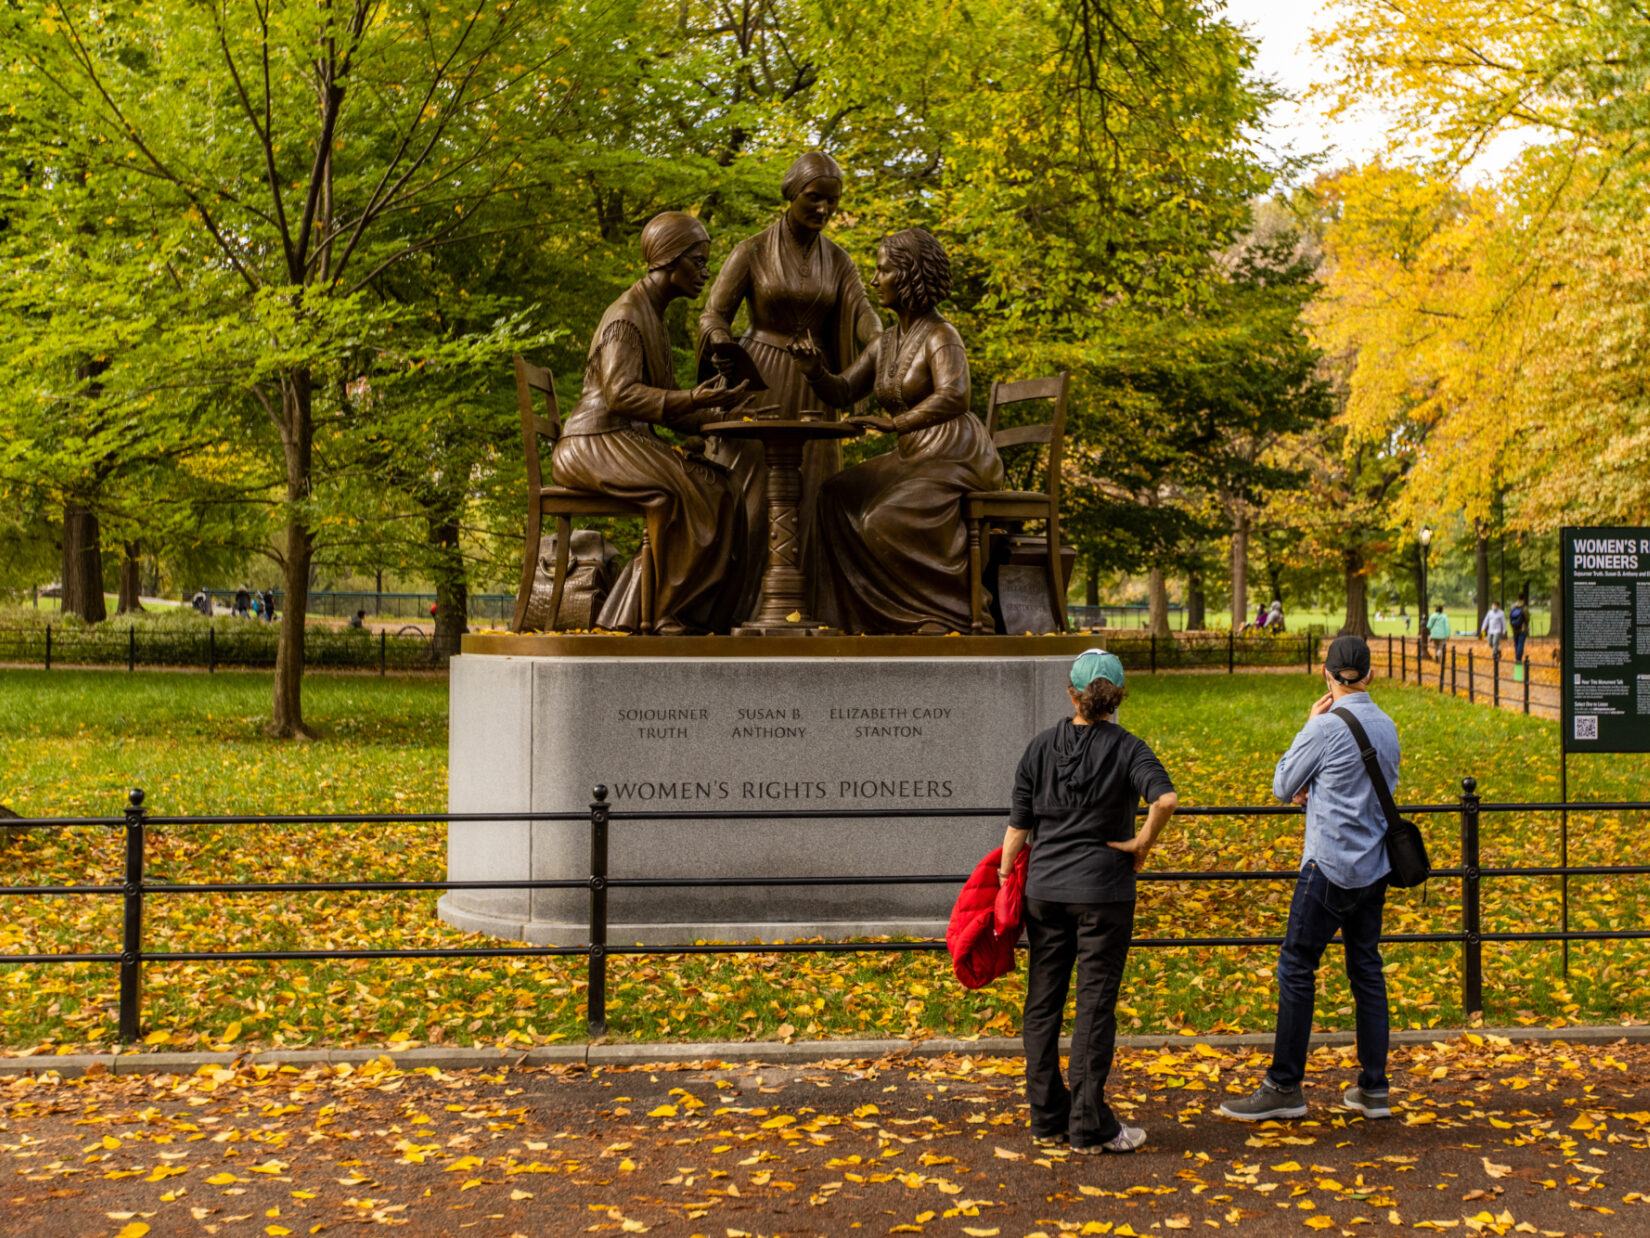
(782, 608)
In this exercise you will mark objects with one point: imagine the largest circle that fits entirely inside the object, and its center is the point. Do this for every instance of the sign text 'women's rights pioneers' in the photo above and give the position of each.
(1606, 640)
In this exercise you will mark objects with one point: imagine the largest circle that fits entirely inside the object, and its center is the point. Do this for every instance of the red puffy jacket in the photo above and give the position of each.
(985, 923)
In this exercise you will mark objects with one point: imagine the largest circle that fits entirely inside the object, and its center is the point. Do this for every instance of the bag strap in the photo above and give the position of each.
(1367, 751)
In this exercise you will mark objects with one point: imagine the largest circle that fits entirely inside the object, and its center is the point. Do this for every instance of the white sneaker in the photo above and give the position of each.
(1128, 1139)
(1370, 1104)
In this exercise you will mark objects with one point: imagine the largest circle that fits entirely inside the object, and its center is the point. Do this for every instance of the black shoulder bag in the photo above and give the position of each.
(1405, 850)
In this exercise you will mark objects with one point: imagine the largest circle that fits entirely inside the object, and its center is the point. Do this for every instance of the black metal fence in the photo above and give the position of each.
(250, 644)
(136, 889)
(235, 643)
(341, 603)
(1483, 678)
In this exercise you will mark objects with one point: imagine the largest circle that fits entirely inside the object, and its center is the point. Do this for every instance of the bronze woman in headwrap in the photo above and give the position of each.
(798, 285)
(890, 547)
(609, 446)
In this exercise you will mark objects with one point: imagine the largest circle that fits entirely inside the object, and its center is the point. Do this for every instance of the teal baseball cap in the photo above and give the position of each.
(1095, 664)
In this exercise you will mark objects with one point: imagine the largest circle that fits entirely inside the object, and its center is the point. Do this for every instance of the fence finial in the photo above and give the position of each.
(135, 797)
(599, 792)
(1469, 785)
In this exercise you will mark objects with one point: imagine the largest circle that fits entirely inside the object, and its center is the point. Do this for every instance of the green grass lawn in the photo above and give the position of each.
(72, 742)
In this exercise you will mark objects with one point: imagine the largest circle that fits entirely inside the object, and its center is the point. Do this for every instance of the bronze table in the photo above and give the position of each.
(782, 607)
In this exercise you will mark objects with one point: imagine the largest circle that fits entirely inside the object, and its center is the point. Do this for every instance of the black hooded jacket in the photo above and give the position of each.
(1077, 789)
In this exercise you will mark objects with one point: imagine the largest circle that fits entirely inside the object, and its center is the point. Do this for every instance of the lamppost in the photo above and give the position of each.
(1425, 539)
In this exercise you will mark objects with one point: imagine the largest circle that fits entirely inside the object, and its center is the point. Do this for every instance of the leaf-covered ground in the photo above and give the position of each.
(74, 741)
(1488, 1137)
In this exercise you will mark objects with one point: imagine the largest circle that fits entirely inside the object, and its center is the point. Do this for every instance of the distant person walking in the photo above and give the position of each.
(1342, 887)
(243, 603)
(358, 619)
(1438, 630)
(1495, 627)
(1075, 796)
(1519, 620)
(202, 601)
(1274, 616)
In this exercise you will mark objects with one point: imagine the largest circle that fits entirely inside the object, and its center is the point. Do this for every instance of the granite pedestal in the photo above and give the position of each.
(730, 727)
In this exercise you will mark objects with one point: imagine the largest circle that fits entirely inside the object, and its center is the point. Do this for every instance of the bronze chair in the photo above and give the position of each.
(563, 504)
(1022, 505)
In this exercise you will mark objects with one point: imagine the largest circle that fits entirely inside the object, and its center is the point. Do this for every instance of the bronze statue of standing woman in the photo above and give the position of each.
(890, 546)
(797, 285)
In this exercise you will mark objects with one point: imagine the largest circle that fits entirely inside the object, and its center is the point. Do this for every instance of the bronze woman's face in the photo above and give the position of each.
(887, 280)
(814, 206)
(689, 272)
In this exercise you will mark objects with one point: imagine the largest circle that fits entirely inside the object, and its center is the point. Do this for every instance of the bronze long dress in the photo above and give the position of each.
(890, 546)
(608, 446)
(792, 290)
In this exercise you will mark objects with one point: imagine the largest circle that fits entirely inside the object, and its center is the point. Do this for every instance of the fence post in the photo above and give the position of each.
(1389, 655)
(596, 992)
(1495, 679)
(1526, 683)
(131, 648)
(131, 937)
(1154, 652)
(1472, 955)
(1231, 650)
(383, 645)
(1441, 668)
(211, 650)
(48, 646)
(1453, 663)
(1403, 661)
(1471, 697)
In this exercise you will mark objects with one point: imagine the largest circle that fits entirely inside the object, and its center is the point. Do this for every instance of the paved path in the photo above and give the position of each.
(1492, 1137)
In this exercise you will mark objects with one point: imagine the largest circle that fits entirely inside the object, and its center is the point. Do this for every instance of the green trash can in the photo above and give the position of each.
(1518, 672)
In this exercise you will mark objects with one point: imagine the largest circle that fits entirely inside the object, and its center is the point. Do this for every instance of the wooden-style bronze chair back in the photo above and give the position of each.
(544, 498)
(1019, 506)
(535, 381)
(1051, 434)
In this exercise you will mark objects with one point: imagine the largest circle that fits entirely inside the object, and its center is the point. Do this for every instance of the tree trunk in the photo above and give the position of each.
(1357, 596)
(1420, 583)
(129, 601)
(1555, 625)
(1240, 571)
(1482, 582)
(297, 434)
(1091, 585)
(1274, 576)
(452, 592)
(1195, 602)
(1157, 589)
(82, 564)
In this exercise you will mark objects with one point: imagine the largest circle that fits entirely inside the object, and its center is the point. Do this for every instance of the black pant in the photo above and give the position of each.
(1096, 937)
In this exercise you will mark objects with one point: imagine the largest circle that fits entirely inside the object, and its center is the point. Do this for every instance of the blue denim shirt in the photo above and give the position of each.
(1345, 828)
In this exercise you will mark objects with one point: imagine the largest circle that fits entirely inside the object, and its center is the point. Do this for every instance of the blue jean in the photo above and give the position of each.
(1320, 907)
(1518, 645)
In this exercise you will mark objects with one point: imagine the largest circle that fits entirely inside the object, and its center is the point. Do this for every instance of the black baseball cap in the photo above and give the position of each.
(1348, 659)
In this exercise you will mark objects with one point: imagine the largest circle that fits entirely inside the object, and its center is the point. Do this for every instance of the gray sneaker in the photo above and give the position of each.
(1267, 1103)
(1128, 1139)
(1371, 1104)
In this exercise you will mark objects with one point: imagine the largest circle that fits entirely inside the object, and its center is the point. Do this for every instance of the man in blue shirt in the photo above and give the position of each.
(1342, 886)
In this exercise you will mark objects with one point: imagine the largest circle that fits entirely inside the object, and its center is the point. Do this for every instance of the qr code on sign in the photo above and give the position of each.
(1586, 726)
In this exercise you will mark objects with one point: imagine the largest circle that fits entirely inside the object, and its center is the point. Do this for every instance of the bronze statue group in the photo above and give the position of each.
(884, 541)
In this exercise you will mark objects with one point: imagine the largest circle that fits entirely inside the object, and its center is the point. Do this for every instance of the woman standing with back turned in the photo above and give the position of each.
(1075, 796)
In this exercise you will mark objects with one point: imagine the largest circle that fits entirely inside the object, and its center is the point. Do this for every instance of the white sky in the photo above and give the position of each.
(1304, 126)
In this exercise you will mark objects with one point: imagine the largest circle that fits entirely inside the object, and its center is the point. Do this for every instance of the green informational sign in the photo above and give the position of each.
(1606, 640)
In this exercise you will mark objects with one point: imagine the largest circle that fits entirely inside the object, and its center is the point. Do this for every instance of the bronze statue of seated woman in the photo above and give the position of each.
(889, 550)
(695, 519)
